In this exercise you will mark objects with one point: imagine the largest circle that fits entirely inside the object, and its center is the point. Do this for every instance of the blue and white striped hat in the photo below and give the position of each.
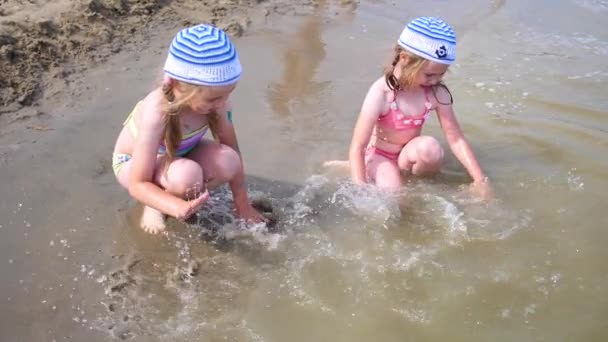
(203, 55)
(430, 38)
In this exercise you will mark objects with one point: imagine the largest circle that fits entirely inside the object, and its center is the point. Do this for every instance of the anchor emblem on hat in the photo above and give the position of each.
(442, 52)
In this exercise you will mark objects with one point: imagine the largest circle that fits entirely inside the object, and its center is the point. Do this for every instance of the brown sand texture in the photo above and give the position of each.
(45, 45)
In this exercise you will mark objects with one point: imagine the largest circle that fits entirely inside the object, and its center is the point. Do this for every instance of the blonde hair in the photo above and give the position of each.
(409, 72)
(172, 136)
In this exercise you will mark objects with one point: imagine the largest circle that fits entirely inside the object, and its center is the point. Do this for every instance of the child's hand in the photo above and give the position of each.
(482, 189)
(188, 208)
(249, 214)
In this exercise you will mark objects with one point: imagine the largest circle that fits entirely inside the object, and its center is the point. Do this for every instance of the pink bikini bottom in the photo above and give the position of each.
(388, 155)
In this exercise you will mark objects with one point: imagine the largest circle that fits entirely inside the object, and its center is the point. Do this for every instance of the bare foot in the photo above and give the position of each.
(152, 220)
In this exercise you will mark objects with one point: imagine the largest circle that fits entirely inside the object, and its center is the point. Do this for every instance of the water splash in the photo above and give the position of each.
(575, 181)
(367, 201)
(338, 249)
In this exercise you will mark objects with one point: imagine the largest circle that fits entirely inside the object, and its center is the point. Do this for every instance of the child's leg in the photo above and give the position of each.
(219, 163)
(384, 172)
(422, 156)
(183, 178)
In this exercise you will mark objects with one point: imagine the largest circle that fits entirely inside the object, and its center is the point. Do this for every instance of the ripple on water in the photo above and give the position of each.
(593, 5)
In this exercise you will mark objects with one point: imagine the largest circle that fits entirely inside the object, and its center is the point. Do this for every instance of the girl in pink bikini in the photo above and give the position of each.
(387, 136)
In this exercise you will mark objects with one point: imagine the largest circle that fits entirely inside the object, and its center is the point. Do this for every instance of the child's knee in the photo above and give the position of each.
(228, 163)
(429, 150)
(183, 176)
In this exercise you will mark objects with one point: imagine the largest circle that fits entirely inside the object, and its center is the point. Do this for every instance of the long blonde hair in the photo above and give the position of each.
(409, 72)
(172, 136)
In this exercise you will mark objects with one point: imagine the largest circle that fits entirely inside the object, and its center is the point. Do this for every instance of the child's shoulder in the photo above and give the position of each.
(379, 87)
(150, 108)
(442, 94)
(154, 98)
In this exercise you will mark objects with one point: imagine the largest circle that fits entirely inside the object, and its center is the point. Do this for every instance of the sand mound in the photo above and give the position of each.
(39, 39)
(43, 41)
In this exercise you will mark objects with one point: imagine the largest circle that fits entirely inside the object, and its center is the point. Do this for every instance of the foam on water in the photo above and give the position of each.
(593, 5)
(337, 248)
(367, 201)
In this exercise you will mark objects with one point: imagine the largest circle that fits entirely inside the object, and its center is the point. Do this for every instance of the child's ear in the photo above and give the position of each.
(167, 80)
(403, 57)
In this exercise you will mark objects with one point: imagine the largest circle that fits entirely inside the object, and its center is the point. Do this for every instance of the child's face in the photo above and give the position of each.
(212, 99)
(431, 74)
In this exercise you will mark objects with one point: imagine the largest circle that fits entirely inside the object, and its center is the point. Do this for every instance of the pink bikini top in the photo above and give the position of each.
(395, 119)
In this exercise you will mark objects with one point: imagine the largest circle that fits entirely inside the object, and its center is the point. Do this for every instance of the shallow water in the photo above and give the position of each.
(344, 263)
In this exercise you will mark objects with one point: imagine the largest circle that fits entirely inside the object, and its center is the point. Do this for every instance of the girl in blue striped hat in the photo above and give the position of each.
(160, 156)
(387, 137)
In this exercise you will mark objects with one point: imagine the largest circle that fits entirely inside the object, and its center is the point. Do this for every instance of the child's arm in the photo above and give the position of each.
(227, 136)
(458, 144)
(370, 110)
(151, 127)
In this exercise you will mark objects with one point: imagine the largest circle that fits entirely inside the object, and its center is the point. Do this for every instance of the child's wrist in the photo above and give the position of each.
(174, 208)
(481, 180)
(240, 199)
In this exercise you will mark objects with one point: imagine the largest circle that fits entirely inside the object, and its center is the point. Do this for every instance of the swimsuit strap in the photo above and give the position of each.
(393, 103)
(394, 96)
(130, 120)
(428, 104)
(426, 93)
